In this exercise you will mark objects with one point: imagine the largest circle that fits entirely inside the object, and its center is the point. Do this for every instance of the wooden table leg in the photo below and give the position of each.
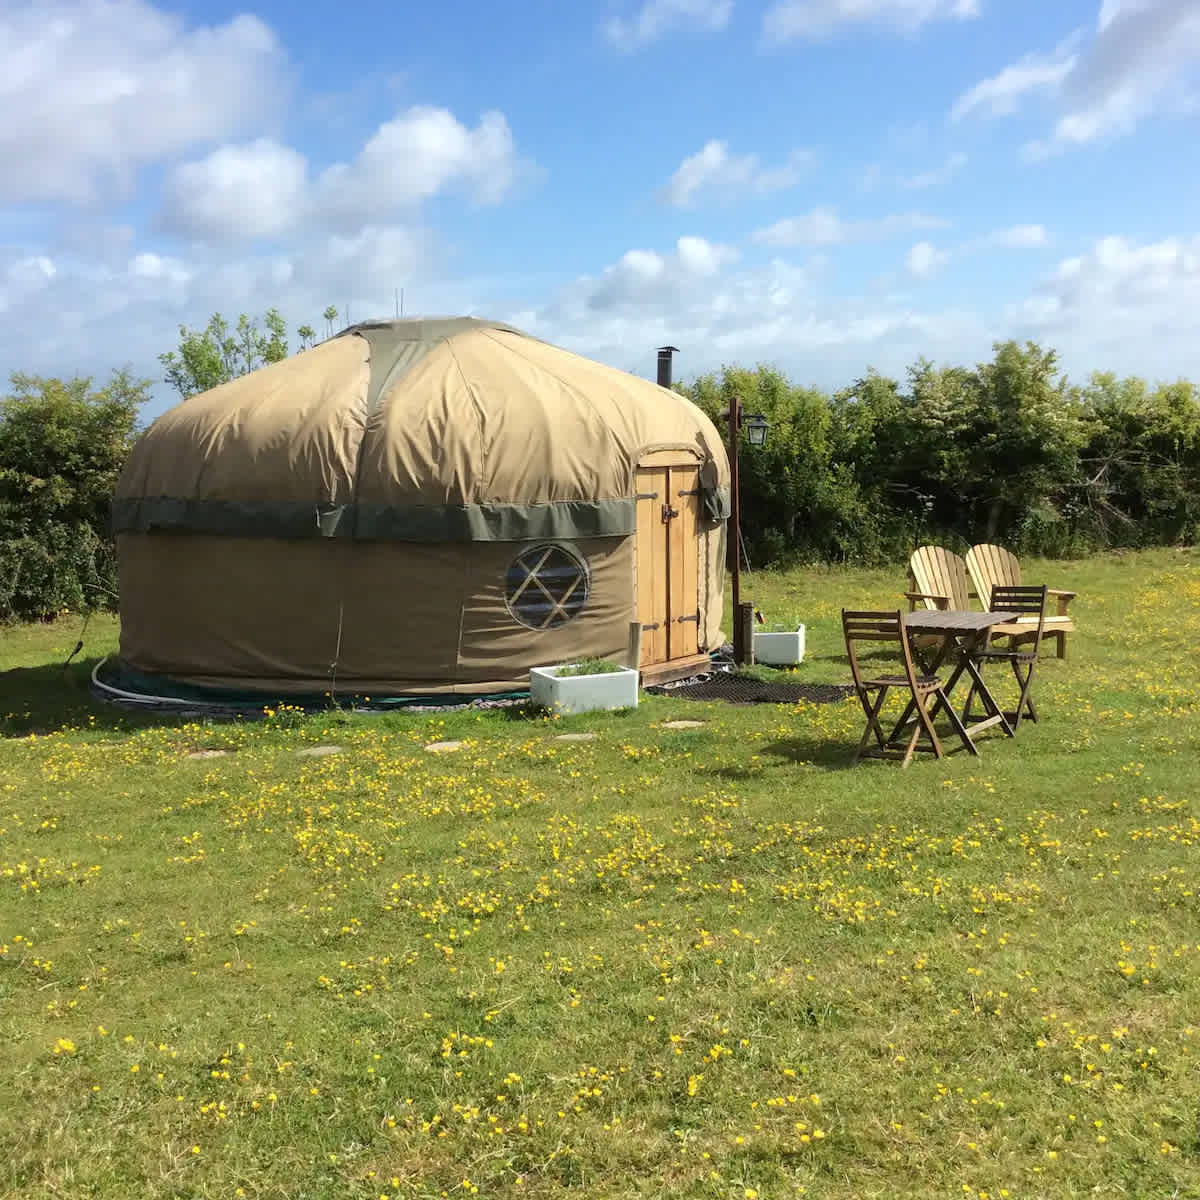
(943, 701)
(995, 713)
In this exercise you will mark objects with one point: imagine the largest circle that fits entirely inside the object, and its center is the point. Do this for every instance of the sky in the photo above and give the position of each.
(826, 186)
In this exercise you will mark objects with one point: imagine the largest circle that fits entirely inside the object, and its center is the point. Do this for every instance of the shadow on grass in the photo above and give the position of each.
(830, 756)
(52, 697)
(835, 756)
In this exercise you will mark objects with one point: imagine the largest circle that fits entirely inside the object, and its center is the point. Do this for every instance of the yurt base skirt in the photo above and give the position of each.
(117, 683)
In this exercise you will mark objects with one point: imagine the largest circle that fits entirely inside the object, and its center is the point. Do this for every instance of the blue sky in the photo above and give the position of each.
(826, 185)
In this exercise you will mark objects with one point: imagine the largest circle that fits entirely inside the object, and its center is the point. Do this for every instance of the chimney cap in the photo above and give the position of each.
(673, 349)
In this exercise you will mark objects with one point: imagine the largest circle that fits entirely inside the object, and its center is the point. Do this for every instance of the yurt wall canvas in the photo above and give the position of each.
(431, 506)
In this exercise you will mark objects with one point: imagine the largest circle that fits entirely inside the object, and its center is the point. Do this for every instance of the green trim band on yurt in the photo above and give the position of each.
(417, 523)
(360, 511)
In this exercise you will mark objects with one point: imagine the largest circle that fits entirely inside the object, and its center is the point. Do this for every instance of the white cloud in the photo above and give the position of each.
(774, 312)
(823, 227)
(1136, 288)
(791, 19)
(1143, 59)
(925, 259)
(82, 314)
(714, 168)
(938, 176)
(1111, 9)
(1002, 93)
(23, 280)
(33, 270)
(148, 265)
(368, 262)
(642, 278)
(656, 18)
(697, 256)
(262, 189)
(252, 190)
(1124, 305)
(416, 156)
(91, 90)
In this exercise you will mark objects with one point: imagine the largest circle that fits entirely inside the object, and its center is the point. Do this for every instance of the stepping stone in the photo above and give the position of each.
(443, 747)
(576, 737)
(683, 725)
(319, 751)
(208, 754)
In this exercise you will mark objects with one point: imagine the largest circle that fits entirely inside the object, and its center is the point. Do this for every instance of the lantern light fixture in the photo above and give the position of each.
(756, 429)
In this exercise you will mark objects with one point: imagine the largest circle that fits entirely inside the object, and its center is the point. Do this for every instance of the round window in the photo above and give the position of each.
(546, 586)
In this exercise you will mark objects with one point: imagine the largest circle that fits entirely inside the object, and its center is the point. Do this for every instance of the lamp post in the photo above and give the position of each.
(756, 435)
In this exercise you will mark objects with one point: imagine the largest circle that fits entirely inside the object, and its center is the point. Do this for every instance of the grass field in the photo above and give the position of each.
(715, 962)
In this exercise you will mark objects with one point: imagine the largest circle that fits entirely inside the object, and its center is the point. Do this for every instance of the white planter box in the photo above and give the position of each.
(780, 649)
(583, 693)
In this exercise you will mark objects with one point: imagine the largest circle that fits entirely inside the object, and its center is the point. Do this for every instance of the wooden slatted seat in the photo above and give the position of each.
(992, 566)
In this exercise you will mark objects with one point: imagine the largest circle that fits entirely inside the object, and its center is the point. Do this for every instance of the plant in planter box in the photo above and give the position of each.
(589, 685)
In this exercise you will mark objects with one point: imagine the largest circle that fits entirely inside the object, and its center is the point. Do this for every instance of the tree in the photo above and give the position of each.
(888, 450)
(216, 354)
(1024, 438)
(62, 446)
(1140, 464)
(786, 497)
(330, 315)
(307, 336)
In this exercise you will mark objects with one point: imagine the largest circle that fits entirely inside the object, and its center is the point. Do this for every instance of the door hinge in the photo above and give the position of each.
(648, 628)
(691, 492)
(669, 513)
(694, 617)
(646, 496)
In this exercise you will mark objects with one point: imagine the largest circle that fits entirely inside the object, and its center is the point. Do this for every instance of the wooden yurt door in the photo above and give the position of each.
(668, 508)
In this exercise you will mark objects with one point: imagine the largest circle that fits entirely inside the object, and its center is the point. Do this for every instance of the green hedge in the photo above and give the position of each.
(1009, 451)
(62, 445)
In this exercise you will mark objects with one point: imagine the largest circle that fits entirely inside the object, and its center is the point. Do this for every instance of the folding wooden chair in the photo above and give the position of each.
(1028, 605)
(926, 690)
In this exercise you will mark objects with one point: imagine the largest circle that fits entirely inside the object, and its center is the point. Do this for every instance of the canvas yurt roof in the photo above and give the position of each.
(413, 430)
(366, 504)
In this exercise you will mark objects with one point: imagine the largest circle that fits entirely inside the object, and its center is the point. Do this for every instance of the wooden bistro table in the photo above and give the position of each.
(965, 633)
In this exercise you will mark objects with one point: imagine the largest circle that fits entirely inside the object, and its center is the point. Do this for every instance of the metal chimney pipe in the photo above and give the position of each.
(664, 364)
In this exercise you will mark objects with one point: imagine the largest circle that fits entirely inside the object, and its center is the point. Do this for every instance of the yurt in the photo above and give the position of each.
(419, 507)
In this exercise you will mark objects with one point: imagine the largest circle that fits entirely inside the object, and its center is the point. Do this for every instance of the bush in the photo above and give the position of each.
(62, 446)
(1007, 451)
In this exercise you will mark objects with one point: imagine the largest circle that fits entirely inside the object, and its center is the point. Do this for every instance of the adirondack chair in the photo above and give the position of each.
(991, 566)
(937, 579)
